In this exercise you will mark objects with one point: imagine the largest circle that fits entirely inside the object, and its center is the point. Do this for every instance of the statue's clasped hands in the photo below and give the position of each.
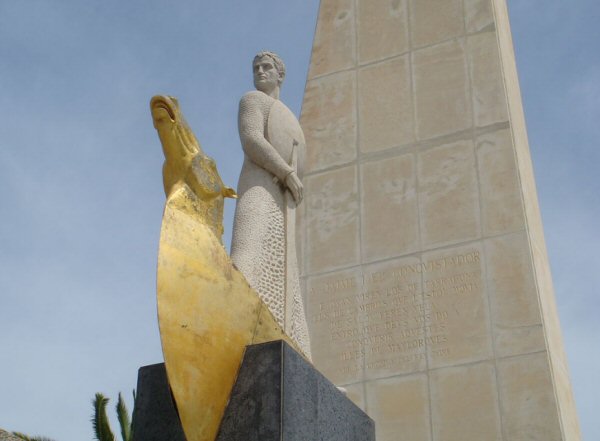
(294, 185)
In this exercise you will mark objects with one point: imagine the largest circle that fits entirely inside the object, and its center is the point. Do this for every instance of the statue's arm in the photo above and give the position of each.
(251, 124)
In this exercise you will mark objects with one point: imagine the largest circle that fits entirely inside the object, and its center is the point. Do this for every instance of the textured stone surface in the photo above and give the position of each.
(476, 416)
(456, 307)
(429, 295)
(433, 21)
(254, 410)
(279, 396)
(478, 15)
(333, 308)
(155, 416)
(486, 79)
(528, 401)
(389, 191)
(441, 85)
(329, 120)
(332, 227)
(385, 105)
(382, 29)
(401, 405)
(334, 46)
(501, 203)
(517, 319)
(448, 195)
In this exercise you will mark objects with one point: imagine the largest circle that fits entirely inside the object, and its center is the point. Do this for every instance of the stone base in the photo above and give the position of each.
(155, 415)
(278, 396)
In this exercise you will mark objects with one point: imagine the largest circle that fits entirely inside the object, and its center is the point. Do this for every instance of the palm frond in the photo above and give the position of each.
(22, 436)
(123, 417)
(100, 421)
(132, 414)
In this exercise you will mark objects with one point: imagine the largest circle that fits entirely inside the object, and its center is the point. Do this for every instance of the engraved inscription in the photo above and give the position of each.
(391, 317)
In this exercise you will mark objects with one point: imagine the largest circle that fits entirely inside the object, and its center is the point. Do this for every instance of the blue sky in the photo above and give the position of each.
(80, 176)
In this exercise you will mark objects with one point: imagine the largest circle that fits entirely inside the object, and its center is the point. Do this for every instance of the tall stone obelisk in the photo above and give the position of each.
(429, 295)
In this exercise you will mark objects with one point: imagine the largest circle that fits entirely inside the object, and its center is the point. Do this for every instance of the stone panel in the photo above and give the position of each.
(385, 105)
(456, 307)
(443, 104)
(528, 404)
(512, 291)
(400, 408)
(448, 194)
(501, 204)
(464, 404)
(489, 101)
(332, 220)
(390, 225)
(478, 15)
(334, 320)
(329, 121)
(334, 45)
(382, 29)
(433, 21)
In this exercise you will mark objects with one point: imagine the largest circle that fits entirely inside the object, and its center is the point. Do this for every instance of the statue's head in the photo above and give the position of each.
(268, 70)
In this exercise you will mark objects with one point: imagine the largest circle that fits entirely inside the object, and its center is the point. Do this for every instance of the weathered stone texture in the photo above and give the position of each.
(385, 106)
(329, 120)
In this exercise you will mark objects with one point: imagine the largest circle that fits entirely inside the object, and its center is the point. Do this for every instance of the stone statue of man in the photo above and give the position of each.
(269, 189)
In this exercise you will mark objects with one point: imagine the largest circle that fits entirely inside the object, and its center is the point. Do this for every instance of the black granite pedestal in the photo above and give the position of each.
(278, 396)
(155, 415)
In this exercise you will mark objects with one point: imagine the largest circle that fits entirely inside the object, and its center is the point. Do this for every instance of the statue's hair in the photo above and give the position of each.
(279, 65)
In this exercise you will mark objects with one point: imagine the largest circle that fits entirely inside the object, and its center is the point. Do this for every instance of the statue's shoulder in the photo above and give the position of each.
(256, 98)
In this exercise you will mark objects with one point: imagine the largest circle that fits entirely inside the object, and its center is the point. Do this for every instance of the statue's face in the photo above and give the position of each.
(266, 77)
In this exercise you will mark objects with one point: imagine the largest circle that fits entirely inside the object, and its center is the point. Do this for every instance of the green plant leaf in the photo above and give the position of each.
(124, 420)
(102, 430)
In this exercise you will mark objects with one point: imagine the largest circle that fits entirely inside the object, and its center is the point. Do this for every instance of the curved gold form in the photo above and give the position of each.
(207, 312)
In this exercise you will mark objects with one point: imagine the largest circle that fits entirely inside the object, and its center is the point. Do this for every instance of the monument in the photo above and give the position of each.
(427, 284)
(236, 360)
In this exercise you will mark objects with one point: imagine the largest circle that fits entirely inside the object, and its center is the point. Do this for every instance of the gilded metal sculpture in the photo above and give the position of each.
(207, 311)
(187, 170)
